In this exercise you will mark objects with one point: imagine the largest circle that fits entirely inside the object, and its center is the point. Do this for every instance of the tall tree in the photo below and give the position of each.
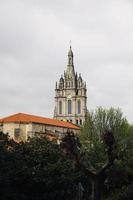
(103, 129)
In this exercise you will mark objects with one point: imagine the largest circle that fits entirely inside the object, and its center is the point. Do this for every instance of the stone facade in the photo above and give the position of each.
(16, 131)
(21, 131)
(71, 95)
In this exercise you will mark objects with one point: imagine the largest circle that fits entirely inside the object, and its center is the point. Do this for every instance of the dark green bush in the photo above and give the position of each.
(124, 193)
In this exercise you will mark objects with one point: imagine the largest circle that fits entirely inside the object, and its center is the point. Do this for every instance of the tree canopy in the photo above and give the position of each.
(37, 170)
(94, 148)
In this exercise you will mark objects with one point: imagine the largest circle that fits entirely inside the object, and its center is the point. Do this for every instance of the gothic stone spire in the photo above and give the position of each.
(70, 66)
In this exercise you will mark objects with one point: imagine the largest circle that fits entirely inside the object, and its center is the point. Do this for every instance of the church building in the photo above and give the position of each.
(71, 95)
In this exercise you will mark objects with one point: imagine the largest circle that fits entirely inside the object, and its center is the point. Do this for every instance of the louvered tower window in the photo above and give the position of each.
(60, 107)
(79, 106)
(69, 107)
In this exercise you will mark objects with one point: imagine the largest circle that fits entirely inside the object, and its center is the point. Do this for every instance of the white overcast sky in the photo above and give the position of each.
(34, 41)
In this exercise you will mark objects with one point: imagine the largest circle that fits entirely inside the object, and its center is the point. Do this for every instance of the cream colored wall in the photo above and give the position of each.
(23, 129)
(1, 127)
(38, 127)
(42, 127)
(29, 130)
(10, 129)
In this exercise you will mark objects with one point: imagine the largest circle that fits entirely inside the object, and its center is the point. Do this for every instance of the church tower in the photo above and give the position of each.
(70, 95)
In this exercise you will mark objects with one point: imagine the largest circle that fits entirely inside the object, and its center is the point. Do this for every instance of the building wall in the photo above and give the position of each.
(10, 129)
(1, 127)
(43, 128)
(33, 129)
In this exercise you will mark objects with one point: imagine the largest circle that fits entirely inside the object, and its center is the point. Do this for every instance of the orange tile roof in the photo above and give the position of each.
(26, 118)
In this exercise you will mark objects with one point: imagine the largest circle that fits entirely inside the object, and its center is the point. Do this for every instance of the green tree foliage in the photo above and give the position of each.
(36, 170)
(124, 193)
(94, 149)
(70, 146)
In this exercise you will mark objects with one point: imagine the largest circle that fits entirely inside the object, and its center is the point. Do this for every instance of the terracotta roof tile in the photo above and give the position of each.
(26, 118)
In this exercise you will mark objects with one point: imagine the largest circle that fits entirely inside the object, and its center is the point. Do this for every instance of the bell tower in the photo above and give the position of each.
(70, 95)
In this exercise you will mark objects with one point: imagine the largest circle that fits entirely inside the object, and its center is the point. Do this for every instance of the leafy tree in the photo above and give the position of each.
(124, 193)
(94, 145)
(96, 124)
(36, 170)
(70, 146)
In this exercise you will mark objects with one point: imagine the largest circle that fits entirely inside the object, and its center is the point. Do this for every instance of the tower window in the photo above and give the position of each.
(72, 84)
(79, 106)
(69, 107)
(80, 121)
(77, 121)
(60, 107)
